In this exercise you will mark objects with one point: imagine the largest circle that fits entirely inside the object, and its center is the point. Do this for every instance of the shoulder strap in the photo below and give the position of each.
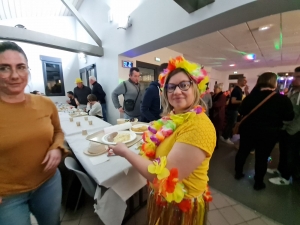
(259, 105)
(125, 87)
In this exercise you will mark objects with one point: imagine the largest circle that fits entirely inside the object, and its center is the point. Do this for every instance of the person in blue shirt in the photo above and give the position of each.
(151, 103)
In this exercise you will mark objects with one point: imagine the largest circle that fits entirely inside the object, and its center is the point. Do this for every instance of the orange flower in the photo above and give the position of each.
(185, 205)
(172, 180)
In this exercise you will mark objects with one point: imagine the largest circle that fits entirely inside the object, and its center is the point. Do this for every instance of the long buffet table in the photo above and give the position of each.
(112, 173)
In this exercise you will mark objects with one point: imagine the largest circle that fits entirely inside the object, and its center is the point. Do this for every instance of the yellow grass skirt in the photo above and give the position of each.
(169, 213)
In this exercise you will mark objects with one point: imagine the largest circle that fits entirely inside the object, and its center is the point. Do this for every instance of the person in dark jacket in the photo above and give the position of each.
(151, 103)
(260, 131)
(217, 112)
(97, 90)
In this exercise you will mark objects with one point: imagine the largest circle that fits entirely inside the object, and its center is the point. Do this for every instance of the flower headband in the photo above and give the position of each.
(199, 75)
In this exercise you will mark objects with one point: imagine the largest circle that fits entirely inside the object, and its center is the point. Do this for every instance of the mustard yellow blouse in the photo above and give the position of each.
(199, 132)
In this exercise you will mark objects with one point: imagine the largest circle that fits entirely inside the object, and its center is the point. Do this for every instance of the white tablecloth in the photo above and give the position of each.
(117, 174)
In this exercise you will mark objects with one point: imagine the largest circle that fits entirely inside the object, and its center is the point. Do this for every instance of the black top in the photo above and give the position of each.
(81, 94)
(267, 118)
(151, 103)
(237, 93)
(98, 91)
(72, 102)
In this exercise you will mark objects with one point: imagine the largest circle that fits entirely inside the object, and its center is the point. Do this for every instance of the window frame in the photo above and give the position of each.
(57, 61)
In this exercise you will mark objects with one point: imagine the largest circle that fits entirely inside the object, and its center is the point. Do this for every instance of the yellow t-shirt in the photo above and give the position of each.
(199, 132)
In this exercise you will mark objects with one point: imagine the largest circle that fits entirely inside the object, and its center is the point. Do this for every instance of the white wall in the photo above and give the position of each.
(252, 74)
(57, 26)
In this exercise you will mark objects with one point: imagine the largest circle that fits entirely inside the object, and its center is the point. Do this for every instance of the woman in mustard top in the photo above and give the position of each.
(176, 150)
(31, 146)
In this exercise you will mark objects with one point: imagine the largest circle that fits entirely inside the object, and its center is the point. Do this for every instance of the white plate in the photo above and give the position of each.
(132, 137)
(137, 126)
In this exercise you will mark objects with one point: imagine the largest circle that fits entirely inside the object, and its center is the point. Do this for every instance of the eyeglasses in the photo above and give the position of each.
(184, 86)
(6, 71)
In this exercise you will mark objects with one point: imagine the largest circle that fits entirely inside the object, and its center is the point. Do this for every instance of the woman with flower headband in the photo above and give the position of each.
(177, 150)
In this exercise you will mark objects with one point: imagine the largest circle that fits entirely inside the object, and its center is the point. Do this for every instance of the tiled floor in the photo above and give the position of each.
(223, 211)
(280, 203)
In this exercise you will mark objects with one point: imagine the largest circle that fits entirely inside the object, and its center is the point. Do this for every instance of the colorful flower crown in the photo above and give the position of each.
(199, 75)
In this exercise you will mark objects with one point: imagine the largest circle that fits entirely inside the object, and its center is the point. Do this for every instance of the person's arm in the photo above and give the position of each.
(58, 136)
(235, 97)
(95, 110)
(197, 148)
(246, 90)
(177, 158)
(100, 91)
(120, 90)
(57, 150)
(88, 107)
(75, 97)
(146, 103)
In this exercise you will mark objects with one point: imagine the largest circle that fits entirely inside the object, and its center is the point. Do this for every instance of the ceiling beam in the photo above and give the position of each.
(193, 5)
(80, 19)
(46, 40)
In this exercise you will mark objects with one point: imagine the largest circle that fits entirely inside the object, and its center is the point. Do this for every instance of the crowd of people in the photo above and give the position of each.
(266, 118)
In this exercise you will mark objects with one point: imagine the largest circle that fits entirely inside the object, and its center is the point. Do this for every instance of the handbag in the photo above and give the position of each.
(129, 104)
(235, 130)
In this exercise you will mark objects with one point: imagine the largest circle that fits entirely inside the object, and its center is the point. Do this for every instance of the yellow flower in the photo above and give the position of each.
(177, 195)
(159, 167)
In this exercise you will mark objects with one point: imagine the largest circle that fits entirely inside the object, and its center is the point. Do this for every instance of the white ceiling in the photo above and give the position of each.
(11, 9)
(225, 47)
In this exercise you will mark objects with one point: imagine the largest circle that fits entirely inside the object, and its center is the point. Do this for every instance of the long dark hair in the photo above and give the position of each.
(8, 45)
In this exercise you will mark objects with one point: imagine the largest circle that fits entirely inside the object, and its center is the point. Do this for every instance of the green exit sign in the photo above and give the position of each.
(193, 5)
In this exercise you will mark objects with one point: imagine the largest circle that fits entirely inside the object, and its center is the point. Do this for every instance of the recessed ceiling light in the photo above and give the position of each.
(232, 65)
(257, 60)
(266, 27)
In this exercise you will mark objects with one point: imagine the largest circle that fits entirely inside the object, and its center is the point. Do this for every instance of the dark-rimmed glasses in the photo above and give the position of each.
(184, 86)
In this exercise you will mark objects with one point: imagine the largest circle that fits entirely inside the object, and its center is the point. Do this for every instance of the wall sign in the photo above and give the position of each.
(127, 64)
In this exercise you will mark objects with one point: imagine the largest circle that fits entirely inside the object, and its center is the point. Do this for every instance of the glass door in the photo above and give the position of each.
(86, 72)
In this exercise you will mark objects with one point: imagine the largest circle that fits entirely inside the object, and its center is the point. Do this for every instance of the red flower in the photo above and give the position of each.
(172, 180)
(160, 201)
(185, 205)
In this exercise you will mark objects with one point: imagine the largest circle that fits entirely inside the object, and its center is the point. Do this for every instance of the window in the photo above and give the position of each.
(53, 76)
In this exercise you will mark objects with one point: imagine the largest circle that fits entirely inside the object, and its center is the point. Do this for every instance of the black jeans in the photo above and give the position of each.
(263, 145)
(231, 121)
(289, 146)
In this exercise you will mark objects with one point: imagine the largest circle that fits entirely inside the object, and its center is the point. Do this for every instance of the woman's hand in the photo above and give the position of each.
(52, 158)
(120, 149)
(0, 199)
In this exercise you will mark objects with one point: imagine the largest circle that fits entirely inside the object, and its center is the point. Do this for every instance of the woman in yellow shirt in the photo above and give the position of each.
(177, 150)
